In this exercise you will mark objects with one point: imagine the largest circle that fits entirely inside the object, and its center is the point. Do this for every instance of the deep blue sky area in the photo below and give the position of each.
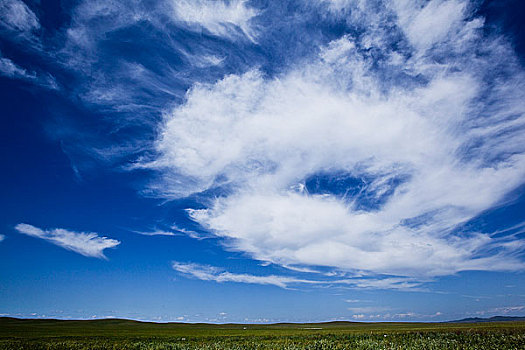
(262, 161)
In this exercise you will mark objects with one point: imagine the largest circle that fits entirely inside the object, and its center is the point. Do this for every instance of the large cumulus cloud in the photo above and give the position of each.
(418, 106)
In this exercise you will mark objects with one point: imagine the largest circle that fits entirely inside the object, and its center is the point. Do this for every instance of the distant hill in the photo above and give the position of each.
(116, 322)
(490, 319)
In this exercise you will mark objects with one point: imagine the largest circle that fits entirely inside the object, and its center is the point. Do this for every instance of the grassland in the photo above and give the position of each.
(126, 334)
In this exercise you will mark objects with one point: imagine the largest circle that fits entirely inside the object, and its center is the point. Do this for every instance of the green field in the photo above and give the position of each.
(125, 334)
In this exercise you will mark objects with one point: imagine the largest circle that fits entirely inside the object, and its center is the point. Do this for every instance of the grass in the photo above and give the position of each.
(126, 334)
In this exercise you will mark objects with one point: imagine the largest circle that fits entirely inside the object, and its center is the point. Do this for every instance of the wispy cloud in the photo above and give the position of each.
(211, 273)
(10, 69)
(16, 16)
(222, 18)
(86, 243)
(510, 309)
(132, 90)
(156, 233)
(356, 301)
(394, 283)
(506, 310)
(368, 309)
(419, 135)
(220, 275)
(437, 22)
(165, 72)
(2, 237)
(174, 231)
(380, 315)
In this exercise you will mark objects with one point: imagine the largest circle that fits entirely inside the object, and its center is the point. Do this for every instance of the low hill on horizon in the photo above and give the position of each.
(489, 319)
(124, 321)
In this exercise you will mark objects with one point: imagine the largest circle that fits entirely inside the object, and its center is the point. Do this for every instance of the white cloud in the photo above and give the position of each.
(509, 309)
(156, 233)
(190, 233)
(137, 87)
(134, 87)
(431, 155)
(11, 70)
(368, 309)
(505, 310)
(211, 273)
(216, 274)
(16, 16)
(432, 23)
(266, 136)
(395, 283)
(93, 19)
(433, 149)
(391, 316)
(2, 237)
(205, 60)
(86, 243)
(176, 231)
(222, 18)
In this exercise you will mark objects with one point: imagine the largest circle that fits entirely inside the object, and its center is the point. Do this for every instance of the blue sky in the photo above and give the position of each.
(262, 161)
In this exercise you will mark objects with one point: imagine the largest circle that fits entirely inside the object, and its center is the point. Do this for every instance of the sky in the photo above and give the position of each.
(262, 161)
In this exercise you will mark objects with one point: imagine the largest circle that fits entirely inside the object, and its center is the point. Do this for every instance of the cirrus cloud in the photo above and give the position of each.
(220, 275)
(85, 243)
(211, 273)
(218, 17)
(16, 16)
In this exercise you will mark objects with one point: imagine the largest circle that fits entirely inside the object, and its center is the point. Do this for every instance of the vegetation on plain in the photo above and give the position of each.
(125, 334)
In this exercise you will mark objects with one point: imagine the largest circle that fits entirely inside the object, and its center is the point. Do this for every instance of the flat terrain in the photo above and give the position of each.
(126, 334)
